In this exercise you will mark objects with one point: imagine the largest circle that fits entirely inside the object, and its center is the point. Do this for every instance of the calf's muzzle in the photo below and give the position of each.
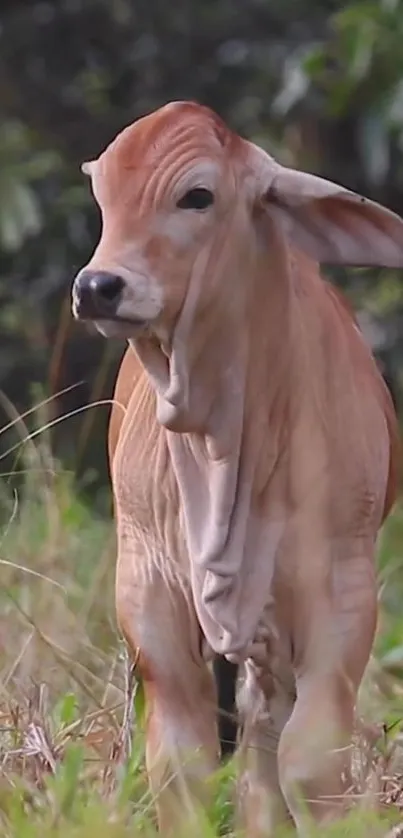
(96, 294)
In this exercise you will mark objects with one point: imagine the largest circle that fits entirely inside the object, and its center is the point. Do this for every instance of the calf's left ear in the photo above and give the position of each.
(331, 223)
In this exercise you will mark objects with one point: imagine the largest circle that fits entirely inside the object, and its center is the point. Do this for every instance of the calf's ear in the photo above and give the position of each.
(330, 223)
(87, 167)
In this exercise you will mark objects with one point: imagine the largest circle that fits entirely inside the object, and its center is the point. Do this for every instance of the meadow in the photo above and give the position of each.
(71, 738)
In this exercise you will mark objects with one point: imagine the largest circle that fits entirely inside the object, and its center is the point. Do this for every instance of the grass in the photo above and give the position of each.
(64, 764)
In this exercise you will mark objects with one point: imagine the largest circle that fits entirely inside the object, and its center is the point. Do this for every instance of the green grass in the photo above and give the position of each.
(63, 769)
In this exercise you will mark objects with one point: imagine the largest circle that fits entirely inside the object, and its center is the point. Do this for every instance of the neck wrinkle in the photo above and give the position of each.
(217, 445)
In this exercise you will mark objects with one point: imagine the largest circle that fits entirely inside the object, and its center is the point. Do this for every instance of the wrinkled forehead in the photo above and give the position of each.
(177, 136)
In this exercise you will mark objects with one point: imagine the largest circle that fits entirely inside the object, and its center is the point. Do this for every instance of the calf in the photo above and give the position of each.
(254, 460)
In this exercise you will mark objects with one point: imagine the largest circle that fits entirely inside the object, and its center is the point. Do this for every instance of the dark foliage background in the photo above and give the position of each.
(318, 82)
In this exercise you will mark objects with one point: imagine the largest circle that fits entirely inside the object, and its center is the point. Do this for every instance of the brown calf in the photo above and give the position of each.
(255, 460)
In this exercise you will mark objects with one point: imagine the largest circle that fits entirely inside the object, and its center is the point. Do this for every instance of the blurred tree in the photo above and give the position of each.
(318, 82)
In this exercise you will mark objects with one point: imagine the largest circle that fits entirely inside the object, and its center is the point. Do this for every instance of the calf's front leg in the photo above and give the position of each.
(157, 619)
(264, 704)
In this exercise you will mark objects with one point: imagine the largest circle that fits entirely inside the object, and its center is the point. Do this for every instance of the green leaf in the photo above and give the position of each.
(295, 86)
(140, 703)
(66, 783)
(374, 146)
(19, 212)
(66, 711)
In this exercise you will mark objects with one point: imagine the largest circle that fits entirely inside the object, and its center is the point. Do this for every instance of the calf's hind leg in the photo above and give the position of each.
(333, 645)
(157, 620)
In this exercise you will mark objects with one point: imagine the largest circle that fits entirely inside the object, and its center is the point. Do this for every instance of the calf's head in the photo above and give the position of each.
(184, 200)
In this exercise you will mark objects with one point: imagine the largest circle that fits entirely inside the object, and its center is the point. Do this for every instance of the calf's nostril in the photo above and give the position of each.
(107, 286)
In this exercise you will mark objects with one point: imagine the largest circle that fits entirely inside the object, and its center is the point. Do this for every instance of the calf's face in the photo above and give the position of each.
(164, 187)
(182, 198)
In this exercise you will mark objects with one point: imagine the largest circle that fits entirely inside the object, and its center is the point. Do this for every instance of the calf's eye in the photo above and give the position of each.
(196, 199)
